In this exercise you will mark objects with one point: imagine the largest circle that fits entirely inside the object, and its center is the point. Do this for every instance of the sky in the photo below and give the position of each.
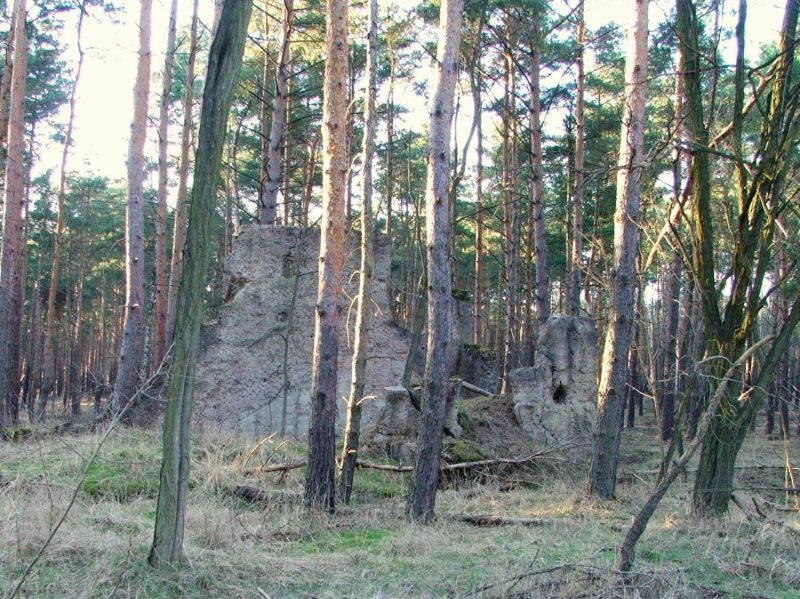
(105, 98)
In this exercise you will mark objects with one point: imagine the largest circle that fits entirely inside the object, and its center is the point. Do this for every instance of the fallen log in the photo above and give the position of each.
(488, 520)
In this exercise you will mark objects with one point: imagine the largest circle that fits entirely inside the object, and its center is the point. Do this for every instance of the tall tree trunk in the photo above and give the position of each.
(50, 318)
(5, 105)
(510, 222)
(578, 190)
(477, 309)
(425, 478)
(352, 428)
(537, 188)
(320, 473)
(11, 250)
(268, 202)
(181, 207)
(224, 63)
(132, 350)
(614, 372)
(162, 279)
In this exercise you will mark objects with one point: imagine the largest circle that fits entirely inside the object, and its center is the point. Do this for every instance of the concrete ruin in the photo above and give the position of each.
(242, 385)
(555, 399)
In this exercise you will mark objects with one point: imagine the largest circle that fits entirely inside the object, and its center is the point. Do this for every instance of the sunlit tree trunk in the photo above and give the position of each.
(537, 188)
(11, 250)
(271, 175)
(614, 368)
(181, 207)
(578, 191)
(132, 350)
(425, 478)
(477, 309)
(320, 472)
(224, 63)
(353, 424)
(162, 279)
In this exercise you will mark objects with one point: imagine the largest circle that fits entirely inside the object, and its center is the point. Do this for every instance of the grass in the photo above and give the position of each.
(233, 548)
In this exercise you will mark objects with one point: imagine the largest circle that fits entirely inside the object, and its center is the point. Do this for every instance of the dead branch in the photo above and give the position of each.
(489, 520)
(474, 389)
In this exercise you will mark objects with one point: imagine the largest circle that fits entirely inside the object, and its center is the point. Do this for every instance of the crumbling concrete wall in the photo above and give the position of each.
(555, 400)
(240, 375)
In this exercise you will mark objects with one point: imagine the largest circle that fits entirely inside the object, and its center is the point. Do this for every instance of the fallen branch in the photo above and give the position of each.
(517, 578)
(384, 467)
(474, 389)
(488, 520)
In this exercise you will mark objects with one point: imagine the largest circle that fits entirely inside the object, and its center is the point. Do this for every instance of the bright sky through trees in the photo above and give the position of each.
(105, 102)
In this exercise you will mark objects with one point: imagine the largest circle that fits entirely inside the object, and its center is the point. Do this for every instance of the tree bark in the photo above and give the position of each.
(48, 365)
(352, 428)
(537, 188)
(132, 350)
(162, 279)
(11, 251)
(271, 175)
(614, 369)
(578, 190)
(422, 494)
(181, 207)
(320, 483)
(224, 63)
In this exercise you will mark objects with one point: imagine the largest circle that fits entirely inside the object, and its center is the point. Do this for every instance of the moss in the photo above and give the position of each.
(464, 422)
(458, 450)
(124, 478)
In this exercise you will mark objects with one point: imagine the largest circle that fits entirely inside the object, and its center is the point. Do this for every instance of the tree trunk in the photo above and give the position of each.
(132, 350)
(181, 207)
(510, 223)
(224, 63)
(614, 371)
(162, 280)
(320, 483)
(271, 175)
(353, 424)
(477, 309)
(578, 191)
(50, 318)
(425, 479)
(10, 265)
(5, 105)
(537, 189)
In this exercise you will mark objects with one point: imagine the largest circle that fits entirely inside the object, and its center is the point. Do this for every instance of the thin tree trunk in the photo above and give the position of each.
(578, 191)
(132, 350)
(352, 428)
(425, 479)
(11, 250)
(5, 105)
(50, 318)
(321, 470)
(162, 280)
(477, 310)
(614, 372)
(224, 63)
(537, 189)
(268, 204)
(181, 207)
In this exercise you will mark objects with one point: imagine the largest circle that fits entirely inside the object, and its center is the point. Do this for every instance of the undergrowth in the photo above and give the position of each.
(234, 547)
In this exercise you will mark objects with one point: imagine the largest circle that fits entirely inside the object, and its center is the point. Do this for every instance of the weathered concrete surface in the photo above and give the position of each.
(555, 400)
(240, 375)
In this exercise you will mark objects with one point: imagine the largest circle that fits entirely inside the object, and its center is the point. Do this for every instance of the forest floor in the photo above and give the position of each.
(238, 548)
